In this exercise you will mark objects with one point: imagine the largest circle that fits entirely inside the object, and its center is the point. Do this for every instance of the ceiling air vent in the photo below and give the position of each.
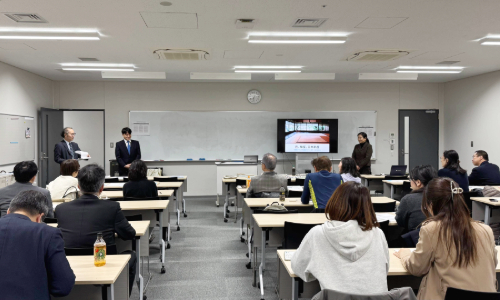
(377, 55)
(311, 23)
(26, 18)
(181, 54)
(87, 59)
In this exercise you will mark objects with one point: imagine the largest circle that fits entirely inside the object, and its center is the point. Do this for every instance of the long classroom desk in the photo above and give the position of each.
(389, 186)
(142, 248)
(176, 186)
(277, 223)
(482, 208)
(119, 194)
(184, 180)
(375, 180)
(88, 278)
(397, 276)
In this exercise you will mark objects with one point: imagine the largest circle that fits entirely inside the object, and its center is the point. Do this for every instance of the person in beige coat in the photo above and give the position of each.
(453, 250)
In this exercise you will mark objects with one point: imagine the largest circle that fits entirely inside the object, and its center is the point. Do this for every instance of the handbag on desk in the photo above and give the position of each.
(275, 206)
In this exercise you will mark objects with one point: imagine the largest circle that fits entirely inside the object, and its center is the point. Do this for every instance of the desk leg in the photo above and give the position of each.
(177, 211)
(140, 280)
(226, 199)
(487, 211)
(392, 191)
(295, 288)
(365, 182)
(162, 244)
(183, 202)
(237, 201)
(262, 264)
(111, 292)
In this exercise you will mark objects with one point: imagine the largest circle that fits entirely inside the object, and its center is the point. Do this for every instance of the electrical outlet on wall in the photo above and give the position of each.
(111, 145)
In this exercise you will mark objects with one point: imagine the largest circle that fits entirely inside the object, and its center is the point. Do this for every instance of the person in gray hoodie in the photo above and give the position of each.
(348, 253)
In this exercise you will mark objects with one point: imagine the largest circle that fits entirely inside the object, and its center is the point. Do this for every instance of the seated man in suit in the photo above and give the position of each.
(485, 173)
(127, 151)
(319, 186)
(267, 184)
(80, 220)
(32, 257)
(25, 174)
(66, 148)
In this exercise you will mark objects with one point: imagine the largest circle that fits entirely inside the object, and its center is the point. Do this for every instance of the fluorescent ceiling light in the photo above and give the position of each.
(428, 68)
(299, 34)
(297, 40)
(305, 76)
(268, 67)
(429, 72)
(388, 76)
(134, 75)
(104, 65)
(97, 69)
(48, 34)
(267, 71)
(53, 30)
(491, 41)
(221, 76)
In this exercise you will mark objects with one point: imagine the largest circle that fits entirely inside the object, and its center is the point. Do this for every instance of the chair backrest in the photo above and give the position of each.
(454, 293)
(295, 233)
(137, 198)
(388, 177)
(290, 211)
(166, 179)
(79, 251)
(385, 207)
(266, 195)
(241, 182)
(410, 239)
(406, 189)
(468, 201)
(50, 220)
(134, 218)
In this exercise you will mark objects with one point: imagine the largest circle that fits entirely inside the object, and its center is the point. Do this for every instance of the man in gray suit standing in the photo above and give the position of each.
(25, 174)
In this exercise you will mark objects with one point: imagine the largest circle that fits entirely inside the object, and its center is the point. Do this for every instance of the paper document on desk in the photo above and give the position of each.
(396, 181)
(114, 184)
(381, 217)
(479, 187)
(83, 154)
(295, 188)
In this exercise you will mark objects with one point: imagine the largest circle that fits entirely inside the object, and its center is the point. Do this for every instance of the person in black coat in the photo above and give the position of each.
(80, 220)
(485, 173)
(127, 151)
(451, 169)
(32, 258)
(138, 185)
(66, 149)
(362, 154)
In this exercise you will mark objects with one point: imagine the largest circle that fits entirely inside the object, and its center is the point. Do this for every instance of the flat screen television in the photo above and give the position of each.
(308, 135)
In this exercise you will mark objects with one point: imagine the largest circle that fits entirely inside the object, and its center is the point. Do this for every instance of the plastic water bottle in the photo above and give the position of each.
(282, 194)
(99, 251)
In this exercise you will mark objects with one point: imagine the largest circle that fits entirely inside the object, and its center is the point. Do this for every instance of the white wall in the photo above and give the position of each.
(473, 114)
(23, 93)
(118, 98)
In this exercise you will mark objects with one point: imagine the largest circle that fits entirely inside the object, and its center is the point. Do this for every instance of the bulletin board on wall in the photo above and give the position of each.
(17, 139)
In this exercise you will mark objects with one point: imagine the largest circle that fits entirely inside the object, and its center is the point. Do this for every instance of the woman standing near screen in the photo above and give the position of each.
(362, 154)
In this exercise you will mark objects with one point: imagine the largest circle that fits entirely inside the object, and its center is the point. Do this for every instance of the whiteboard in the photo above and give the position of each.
(15, 146)
(179, 135)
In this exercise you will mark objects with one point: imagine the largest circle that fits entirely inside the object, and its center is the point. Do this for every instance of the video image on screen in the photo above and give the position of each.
(305, 135)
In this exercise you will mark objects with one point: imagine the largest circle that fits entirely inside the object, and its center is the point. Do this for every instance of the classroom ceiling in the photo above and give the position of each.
(432, 31)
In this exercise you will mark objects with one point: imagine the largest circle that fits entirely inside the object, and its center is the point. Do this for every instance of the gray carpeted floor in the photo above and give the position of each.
(206, 259)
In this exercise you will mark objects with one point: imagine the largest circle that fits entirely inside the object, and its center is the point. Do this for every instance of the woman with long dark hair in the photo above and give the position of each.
(453, 250)
(348, 170)
(138, 185)
(362, 154)
(452, 169)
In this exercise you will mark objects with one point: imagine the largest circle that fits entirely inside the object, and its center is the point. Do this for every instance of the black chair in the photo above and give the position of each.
(454, 294)
(166, 179)
(295, 233)
(50, 220)
(406, 189)
(410, 239)
(388, 177)
(385, 207)
(468, 201)
(138, 198)
(116, 179)
(110, 249)
(134, 218)
(241, 182)
(385, 228)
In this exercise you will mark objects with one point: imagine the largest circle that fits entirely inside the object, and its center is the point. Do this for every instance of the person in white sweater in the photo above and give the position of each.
(348, 253)
(66, 185)
(348, 170)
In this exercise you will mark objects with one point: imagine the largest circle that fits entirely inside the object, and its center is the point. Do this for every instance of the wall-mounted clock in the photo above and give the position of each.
(254, 96)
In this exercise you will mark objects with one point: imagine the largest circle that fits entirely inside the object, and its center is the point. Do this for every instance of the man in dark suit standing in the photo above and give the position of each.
(485, 172)
(80, 220)
(32, 258)
(66, 149)
(127, 151)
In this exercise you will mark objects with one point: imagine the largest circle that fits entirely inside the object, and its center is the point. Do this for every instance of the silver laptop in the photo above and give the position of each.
(250, 159)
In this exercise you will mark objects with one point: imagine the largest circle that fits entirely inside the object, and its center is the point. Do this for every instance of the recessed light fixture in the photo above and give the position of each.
(268, 67)
(267, 71)
(49, 34)
(220, 76)
(429, 69)
(98, 69)
(297, 38)
(104, 65)
(491, 41)
(305, 76)
(134, 75)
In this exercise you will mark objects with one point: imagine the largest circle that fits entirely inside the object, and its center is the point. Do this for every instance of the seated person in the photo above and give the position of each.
(80, 220)
(484, 173)
(348, 170)
(32, 255)
(267, 184)
(409, 213)
(320, 186)
(138, 185)
(348, 253)
(453, 250)
(66, 185)
(451, 169)
(25, 174)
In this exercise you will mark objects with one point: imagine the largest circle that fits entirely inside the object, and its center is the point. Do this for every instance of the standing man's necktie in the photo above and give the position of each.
(71, 151)
(128, 147)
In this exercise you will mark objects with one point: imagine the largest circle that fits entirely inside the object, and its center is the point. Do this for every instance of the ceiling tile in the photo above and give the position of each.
(380, 23)
(15, 46)
(236, 54)
(170, 20)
